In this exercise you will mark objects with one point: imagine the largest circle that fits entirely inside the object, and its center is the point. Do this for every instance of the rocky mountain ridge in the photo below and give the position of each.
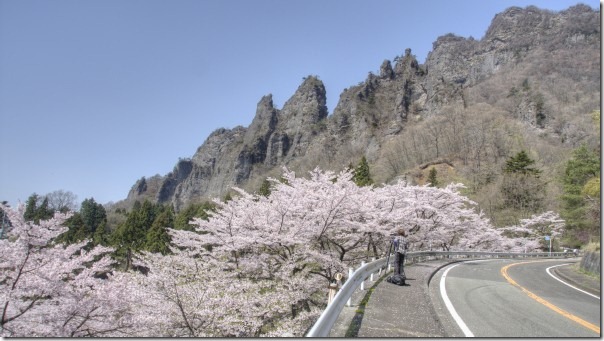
(301, 135)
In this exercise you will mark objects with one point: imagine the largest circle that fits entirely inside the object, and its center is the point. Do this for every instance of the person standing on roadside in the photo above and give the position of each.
(400, 245)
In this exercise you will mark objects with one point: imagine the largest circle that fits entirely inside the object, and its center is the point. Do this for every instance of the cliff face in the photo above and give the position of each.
(527, 43)
(229, 157)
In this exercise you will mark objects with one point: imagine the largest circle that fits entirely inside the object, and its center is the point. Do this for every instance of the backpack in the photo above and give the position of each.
(396, 279)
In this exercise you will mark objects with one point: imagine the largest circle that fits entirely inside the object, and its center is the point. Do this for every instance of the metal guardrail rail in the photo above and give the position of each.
(323, 325)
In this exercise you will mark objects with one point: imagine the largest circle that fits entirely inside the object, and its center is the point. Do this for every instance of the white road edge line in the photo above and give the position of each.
(443, 293)
(561, 281)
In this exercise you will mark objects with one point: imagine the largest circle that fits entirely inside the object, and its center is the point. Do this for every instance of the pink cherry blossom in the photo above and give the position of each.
(52, 290)
(259, 266)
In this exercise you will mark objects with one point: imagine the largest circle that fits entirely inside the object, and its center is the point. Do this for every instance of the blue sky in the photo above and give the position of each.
(96, 94)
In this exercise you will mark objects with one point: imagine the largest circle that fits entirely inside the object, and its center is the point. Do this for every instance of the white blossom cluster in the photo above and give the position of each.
(258, 267)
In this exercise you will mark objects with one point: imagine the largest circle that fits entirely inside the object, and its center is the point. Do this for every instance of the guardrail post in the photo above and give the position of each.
(363, 282)
(349, 303)
(372, 260)
(332, 290)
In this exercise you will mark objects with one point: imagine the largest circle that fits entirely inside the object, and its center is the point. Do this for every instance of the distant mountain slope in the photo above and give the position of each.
(530, 82)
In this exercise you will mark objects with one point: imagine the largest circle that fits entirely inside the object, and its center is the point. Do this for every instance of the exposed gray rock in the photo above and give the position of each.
(386, 70)
(301, 116)
(302, 136)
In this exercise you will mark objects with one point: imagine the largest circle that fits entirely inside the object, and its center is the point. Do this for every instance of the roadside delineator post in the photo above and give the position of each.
(350, 271)
(363, 282)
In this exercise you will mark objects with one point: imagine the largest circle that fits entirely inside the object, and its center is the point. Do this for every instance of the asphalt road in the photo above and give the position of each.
(478, 300)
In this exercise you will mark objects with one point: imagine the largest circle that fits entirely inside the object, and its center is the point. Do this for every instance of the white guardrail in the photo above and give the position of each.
(323, 326)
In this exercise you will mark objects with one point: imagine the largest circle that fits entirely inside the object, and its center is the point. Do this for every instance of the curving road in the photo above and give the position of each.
(512, 298)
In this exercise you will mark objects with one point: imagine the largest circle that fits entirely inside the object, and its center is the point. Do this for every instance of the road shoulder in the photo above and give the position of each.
(572, 275)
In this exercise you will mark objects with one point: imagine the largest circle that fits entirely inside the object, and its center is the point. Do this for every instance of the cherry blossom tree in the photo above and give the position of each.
(528, 235)
(271, 256)
(52, 290)
(441, 217)
(259, 265)
(184, 296)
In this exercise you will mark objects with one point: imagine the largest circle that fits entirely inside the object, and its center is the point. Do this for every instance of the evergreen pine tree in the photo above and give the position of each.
(100, 236)
(582, 168)
(520, 163)
(44, 212)
(30, 207)
(158, 239)
(131, 235)
(265, 188)
(362, 177)
(85, 223)
(93, 214)
(195, 210)
(432, 180)
(521, 187)
(77, 230)
(35, 213)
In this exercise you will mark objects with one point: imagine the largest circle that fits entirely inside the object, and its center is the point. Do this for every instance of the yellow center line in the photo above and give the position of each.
(504, 272)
